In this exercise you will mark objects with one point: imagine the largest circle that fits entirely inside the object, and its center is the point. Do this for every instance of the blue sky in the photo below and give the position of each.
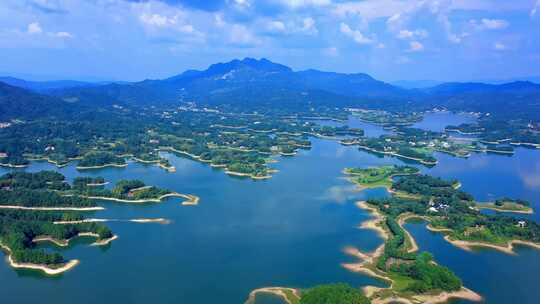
(389, 39)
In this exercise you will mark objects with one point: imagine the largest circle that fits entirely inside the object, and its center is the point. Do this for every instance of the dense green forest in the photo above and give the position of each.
(451, 208)
(18, 228)
(448, 209)
(333, 294)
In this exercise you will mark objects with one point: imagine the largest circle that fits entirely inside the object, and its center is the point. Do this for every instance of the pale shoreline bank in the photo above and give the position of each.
(140, 201)
(65, 243)
(97, 208)
(368, 259)
(278, 291)
(101, 166)
(96, 220)
(48, 270)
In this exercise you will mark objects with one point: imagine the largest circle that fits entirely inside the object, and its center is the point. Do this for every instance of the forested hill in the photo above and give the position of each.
(520, 99)
(248, 81)
(252, 84)
(44, 86)
(18, 103)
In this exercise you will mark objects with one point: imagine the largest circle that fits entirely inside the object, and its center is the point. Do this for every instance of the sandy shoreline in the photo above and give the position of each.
(156, 162)
(140, 201)
(402, 219)
(50, 271)
(65, 243)
(96, 220)
(399, 155)
(495, 208)
(216, 165)
(508, 249)
(97, 208)
(247, 175)
(366, 261)
(97, 184)
(100, 167)
(278, 291)
(13, 166)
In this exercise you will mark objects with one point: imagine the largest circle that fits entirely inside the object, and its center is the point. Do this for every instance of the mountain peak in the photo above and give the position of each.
(262, 64)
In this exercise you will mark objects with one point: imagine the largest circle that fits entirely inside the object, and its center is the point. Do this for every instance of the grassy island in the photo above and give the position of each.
(508, 205)
(412, 275)
(378, 176)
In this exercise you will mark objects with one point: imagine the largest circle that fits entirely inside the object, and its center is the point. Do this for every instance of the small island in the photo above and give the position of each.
(126, 191)
(23, 222)
(415, 276)
(98, 160)
(508, 205)
(378, 176)
(44, 207)
(339, 293)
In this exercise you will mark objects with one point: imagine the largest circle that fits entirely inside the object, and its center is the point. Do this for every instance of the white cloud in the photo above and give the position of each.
(242, 2)
(34, 28)
(415, 46)
(218, 20)
(489, 24)
(241, 35)
(62, 35)
(416, 34)
(372, 9)
(395, 22)
(305, 26)
(356, 35)
(535, 8)
(276, 26)
(158, 20)
(331, 51)
(304, 3)
(403, 60)
(499, 46)
(308, 26)
(155, 22)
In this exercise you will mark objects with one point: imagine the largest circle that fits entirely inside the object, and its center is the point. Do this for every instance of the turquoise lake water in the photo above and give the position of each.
(286, 231)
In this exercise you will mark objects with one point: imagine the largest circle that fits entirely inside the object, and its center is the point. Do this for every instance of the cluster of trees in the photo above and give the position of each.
(333, 294)
(40, 198)
(426, 185)
(454, 213)
(376, 174)
(399, 146)
(427, 275)
(100, 158)
(420, 268)
(493, 129)
(502, 201)
(388, 117)
(18, 229)
(81, 183)
(142, 131)
(40, 180)
(124, 189)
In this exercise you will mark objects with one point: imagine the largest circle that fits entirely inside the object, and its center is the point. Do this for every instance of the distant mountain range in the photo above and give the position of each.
(262, 83)
(16, 102)
(44, 86)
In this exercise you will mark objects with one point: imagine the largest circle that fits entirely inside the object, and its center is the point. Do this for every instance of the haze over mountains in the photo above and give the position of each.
(261, 82)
